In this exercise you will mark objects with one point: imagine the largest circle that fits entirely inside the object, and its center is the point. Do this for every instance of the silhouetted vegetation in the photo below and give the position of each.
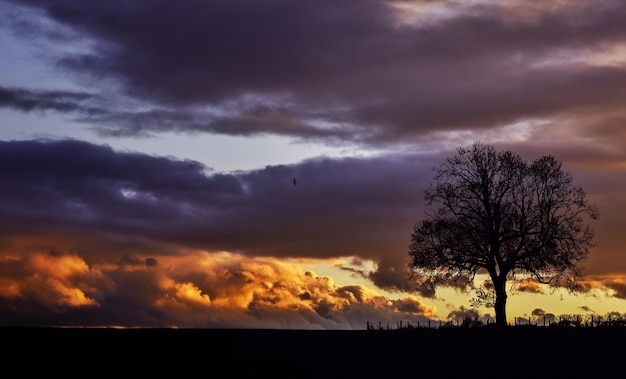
(492, 212)
(566, 320)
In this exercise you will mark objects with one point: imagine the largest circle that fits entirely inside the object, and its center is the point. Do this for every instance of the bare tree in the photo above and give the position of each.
(490, 211)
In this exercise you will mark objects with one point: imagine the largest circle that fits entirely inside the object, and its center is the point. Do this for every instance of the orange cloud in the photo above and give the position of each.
(195, 289)
(616, 284)
(530, 286)
(55, 281)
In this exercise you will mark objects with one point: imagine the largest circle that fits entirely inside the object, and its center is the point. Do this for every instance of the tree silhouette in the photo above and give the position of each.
(490, 211)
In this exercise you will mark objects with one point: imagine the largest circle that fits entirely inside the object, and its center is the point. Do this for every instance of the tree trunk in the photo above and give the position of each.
(500, 306)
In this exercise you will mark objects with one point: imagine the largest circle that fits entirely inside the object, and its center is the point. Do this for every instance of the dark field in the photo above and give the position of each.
(517, 352)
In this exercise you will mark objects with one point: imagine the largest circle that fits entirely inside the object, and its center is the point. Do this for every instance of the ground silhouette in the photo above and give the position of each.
(515, 352)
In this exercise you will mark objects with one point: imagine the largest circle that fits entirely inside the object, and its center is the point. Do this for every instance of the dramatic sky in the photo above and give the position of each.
(148, 149)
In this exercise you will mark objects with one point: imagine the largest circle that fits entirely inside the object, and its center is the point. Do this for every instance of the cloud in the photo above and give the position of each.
(529, 286)
(614, 285)
(76, 196)
(197, 290)
(370, 72)
(458, 316)
(586, 309)
(51, 280)
(27, 101)
(543, 318)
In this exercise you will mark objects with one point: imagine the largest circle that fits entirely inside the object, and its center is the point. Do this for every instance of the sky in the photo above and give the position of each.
(148, 151)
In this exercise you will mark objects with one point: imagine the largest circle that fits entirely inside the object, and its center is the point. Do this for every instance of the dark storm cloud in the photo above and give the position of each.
(105, 204)
(74, 187)
(348, 63)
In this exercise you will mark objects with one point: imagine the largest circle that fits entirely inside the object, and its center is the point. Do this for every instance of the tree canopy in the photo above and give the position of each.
(493, 212)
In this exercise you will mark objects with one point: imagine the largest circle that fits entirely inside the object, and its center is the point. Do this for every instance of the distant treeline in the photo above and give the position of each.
(567, 320)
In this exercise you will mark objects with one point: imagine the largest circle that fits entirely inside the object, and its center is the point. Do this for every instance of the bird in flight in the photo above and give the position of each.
(294, 182)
